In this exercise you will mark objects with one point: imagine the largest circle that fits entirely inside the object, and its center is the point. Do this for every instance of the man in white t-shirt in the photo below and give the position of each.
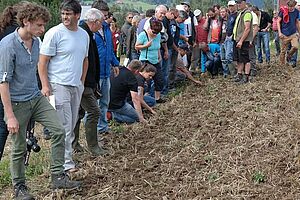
(62, 69)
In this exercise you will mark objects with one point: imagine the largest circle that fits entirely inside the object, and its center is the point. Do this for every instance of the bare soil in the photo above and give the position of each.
(219, 141)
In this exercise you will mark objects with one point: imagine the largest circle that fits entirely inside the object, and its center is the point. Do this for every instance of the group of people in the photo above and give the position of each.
(78, 65)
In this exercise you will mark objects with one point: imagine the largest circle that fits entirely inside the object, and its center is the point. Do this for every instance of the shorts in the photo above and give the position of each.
(241, 55)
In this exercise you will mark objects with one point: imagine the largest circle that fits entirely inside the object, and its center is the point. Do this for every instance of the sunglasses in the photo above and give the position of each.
(155, 32)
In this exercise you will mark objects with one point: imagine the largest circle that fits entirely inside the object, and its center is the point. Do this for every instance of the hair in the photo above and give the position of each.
(148, 68)
(216, 6)
(129, 13)
(182, 14)
(211, 9)
(136, 19)
(32, 12)
(155, 25)
(7, 17)
(73, 5)
(93, 14)
(173, 10)
(135, 64)
(114, 20)
(255, 8)
(291, 3)
(224, 8)
(110, 14)
(100, 5)
(160, 7)
(150, 13)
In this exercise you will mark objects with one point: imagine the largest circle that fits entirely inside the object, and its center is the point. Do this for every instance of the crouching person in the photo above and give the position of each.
(22, 99)
(122, 86)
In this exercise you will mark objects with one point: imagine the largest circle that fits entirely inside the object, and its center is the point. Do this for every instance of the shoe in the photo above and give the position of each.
(237, 78)
(98, 151)
(21, 192)
(244, 80)
(62, 181)
(47, 135)
(160, 100)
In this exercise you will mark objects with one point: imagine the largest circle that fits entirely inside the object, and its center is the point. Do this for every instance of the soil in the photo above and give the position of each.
(219, 141)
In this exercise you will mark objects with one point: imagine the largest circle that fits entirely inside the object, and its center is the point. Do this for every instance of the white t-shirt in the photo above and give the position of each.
(188, 26)
(67, 49)
(255, 20)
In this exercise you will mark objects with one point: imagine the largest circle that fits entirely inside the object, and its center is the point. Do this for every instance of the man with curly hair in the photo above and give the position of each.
(22, 99)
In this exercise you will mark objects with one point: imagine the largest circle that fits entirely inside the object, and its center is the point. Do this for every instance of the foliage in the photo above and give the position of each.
(52, 5)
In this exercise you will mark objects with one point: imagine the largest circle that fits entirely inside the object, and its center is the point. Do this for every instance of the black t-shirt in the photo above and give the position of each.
(264, 20)
(140, 80)
(121, 87)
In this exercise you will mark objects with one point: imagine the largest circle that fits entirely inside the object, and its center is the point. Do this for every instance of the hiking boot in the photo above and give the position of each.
(244, 80)
(21, 192)
(237, 78)
(62, 181)
(98, 151)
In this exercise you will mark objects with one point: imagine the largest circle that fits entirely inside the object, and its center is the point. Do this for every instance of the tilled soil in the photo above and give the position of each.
(220, 141)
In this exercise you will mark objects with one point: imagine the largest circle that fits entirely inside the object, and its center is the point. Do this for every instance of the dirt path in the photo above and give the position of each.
(221, 141)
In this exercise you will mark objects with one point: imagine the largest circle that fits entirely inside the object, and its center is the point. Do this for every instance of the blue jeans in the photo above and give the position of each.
(263, 37)
(150, 101)
(226, 54)
(277, 42)
(134, 55)
(203, 61)
(103, 104)
(213, 65)
(126, 114)
(165, 68)
(3, 130)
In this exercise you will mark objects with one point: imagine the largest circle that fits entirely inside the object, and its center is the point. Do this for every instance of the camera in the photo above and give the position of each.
(32, 143)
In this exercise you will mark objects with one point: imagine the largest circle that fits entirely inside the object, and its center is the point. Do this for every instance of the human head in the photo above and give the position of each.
(70, 13)
(155, 26)
(211, 13)
(183, 49)
(231, 5)
(275, 13)
(136, 20)
(291, 5)
(94, 18)
(7, 17)
(135, 65)
(298, 5)
(223, 12)
(71, 5)
(172, 14)
(109, 18)
(186, 6)
(216, 7)
(255, 9)
(241, 4)
(198, 14)
(148, 71)
(113, 24)
(182, 16)
(129, 17)
(102, 6)
(160, 12)
(150, 13)
(31, 12)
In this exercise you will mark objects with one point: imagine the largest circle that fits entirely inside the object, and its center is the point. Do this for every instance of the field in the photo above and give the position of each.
(219, 141)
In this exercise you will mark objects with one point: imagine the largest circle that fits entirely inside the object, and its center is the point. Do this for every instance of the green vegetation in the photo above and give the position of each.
(258, 177)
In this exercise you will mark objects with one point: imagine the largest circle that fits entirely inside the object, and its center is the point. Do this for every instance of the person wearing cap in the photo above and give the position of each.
(201, 37)
(288, 24)
(243, 35)
(228, 43)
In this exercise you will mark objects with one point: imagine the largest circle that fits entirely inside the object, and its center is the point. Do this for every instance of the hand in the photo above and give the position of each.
(166, 55)
(153, 112)
(142, 120)
(12, 125)
(281, 36)
(239, 45)
(116, 71)
(46, 91)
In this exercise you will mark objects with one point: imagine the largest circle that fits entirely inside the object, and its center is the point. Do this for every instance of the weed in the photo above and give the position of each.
(213, 176)
(258, 177)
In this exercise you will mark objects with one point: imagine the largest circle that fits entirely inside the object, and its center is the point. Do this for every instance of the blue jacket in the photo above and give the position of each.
(106, 51)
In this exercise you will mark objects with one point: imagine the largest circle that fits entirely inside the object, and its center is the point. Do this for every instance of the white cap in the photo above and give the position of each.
(180, 7)
(197, 12)
(231, 3)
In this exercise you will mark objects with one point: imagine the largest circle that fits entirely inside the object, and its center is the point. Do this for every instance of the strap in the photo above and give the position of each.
(147, 47)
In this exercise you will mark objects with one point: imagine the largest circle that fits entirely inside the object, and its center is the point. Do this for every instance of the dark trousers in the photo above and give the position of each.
(3, 130)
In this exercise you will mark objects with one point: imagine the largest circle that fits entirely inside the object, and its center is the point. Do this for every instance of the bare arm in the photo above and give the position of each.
(12, 122)
(245, 34)
(137, 105)
(143, 103)
(279, 26)
(139, 46)
(85, 68)
(43, 73)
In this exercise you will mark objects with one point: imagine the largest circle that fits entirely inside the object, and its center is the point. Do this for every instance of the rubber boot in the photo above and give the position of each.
(93, 146)
(75, 144)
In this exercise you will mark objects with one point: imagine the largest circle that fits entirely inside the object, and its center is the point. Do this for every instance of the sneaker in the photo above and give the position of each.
(244, 80)
(21, 192)
(237, 78)
(62, 181)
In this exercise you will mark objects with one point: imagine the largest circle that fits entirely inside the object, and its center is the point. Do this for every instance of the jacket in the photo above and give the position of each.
(93, 73)
(106, 51)
(241, 27)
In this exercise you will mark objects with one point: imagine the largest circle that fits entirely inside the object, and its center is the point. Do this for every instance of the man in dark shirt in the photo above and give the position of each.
(263, 35)
(122, 85)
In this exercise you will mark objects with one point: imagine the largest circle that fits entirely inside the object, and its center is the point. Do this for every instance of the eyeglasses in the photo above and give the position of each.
(130, 17)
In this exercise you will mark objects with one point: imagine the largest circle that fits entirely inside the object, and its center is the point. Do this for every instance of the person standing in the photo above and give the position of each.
(275, 32)
(62, 68)
(124, 30)
(288, 24)
(22, 99)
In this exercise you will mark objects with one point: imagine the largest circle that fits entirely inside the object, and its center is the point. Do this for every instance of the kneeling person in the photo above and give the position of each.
(121, 86)
(22, 99)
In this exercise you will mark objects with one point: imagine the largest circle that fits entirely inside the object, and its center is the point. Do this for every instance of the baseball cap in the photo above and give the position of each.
(184, 47)
(185, 3)
(231, 3)
(180, 7)
(197, 12)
